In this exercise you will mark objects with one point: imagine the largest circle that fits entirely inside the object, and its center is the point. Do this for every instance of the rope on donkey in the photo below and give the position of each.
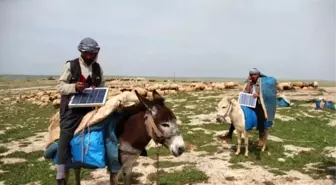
(83, 134)
(157, 136)
(157, 166)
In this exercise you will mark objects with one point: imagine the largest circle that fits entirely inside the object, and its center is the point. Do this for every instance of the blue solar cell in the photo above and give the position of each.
(100, 95)
(90, 96)
(84, 97)
(75, 99)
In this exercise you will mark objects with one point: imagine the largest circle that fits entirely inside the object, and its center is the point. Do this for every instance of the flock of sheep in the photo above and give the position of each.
(297, 85)
(145, 86)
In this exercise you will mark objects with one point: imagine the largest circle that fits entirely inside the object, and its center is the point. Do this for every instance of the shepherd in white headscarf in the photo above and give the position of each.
(252, 86)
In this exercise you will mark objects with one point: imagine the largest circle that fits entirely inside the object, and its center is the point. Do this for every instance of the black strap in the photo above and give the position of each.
(75, 70)
(96, 74)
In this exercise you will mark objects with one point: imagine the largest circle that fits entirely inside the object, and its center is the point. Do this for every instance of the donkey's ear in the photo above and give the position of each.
(233, 100)
(157, 96)
(229, 98)
(142, 99)
(153, 110)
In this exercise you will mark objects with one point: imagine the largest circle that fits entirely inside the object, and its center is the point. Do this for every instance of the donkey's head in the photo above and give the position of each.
(162, 124)
(224, 109)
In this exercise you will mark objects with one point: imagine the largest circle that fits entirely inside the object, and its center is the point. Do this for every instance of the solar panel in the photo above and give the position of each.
(246, 99)
(90, 97)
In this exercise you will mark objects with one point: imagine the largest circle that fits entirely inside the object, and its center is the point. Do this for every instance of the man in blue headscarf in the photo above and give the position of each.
(252, 86)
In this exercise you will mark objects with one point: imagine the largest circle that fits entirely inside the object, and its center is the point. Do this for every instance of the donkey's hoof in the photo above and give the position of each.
(237, 153)
(246, 155)
(261, 143)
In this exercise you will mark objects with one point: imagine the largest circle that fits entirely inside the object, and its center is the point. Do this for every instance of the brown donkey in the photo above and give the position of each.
(150, 119)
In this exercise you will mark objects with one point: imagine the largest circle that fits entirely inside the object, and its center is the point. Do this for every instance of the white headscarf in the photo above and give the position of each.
(254, 71)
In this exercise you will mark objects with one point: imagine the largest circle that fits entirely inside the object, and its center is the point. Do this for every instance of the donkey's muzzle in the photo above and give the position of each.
(180, 150)
(219, 119)
(177, 146)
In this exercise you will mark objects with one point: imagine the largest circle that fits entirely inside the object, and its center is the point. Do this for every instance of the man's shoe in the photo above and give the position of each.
(60, 182)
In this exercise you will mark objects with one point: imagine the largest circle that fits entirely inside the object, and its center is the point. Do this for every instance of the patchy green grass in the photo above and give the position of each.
(168, 164)
(312, 100)
(162, 151)
(214, 127)
(293, 112)
(199, 106)
(237, 166)
(187, 175)
(32, 170)
(277, 172)
(308, 132)
(3, 149)
(24, 144)
(210, 149)
(24, 120)
(27, 82)
(198, 138)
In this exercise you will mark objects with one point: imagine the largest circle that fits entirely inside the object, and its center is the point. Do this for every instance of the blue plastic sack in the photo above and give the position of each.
(268, 87)
(329, 105)
(94, 150)
(50, 152)
(91, 151)
(251, 120)
(111, 143)
(102, 151)
(318, 104)
(282, 103)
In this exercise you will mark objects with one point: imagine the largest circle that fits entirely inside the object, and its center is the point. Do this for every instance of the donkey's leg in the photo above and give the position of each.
(114, 177)
(265, 140)
(77, 175)
(246, 140)
(128, 175)
(238, 141)
(128, 161)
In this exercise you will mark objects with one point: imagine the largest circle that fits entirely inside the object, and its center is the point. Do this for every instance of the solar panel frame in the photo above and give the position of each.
(76, 104)
(247, 100)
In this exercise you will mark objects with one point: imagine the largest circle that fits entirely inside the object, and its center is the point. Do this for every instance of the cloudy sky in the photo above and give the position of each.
(292, 39)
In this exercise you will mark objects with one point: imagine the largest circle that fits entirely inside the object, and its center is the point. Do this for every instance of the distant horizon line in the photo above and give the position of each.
(166, 77)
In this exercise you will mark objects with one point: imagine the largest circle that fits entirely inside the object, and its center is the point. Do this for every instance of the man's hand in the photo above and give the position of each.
(249, 79)
(79, 86)
(255, 95)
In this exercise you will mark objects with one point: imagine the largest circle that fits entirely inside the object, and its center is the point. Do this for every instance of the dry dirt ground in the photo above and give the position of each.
(301, 146)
